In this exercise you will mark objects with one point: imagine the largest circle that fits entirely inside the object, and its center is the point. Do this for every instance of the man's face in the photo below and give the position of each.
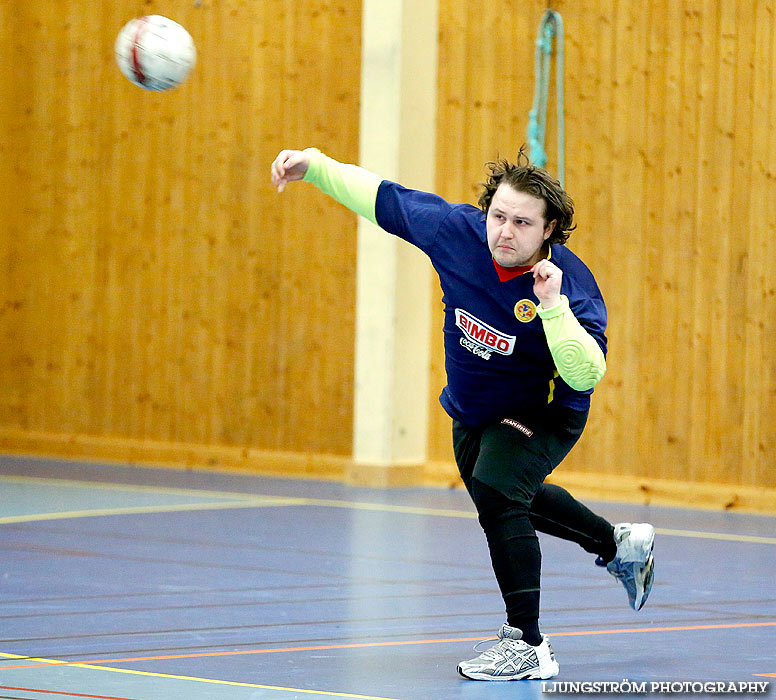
(516, 228)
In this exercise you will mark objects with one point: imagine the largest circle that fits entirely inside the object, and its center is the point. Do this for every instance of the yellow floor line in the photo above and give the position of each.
(113, 486)
(757, 539)
(211, 681)
(135, 510)
(248, 500)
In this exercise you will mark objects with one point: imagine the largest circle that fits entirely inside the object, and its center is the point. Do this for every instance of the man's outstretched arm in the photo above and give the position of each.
(351, 185)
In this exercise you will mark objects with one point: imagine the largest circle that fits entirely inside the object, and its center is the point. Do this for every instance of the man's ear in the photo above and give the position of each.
(549, 228)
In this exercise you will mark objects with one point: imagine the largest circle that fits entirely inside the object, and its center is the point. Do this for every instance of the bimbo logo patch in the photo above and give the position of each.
(483, 336)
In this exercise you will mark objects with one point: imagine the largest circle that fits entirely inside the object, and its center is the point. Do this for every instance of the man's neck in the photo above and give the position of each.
(509, 273)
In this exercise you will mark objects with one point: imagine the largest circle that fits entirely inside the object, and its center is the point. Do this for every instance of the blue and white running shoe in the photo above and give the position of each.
(511, 659)
(634, 564)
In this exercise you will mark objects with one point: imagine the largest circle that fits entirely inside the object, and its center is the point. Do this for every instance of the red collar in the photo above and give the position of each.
(509, 273)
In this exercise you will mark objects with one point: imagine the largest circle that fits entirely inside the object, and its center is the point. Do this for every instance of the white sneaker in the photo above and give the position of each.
(634, 564)
(512, 659)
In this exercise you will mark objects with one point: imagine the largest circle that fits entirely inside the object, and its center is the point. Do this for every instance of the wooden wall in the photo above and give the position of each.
(671, 160)
(156, 291)
(154, 287)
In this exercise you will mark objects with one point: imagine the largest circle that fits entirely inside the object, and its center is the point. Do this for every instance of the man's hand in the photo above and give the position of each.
(289, 166)
(547, 281)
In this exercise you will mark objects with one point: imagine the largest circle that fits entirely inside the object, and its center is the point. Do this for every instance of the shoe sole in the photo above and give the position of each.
(646, 574)
(550, 672)
(528, 676)
(644, 581)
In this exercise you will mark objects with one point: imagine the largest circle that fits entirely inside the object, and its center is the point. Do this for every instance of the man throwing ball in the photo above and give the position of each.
(525, 345)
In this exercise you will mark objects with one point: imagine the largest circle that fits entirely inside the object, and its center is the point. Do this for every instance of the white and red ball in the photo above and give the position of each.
(155, 53)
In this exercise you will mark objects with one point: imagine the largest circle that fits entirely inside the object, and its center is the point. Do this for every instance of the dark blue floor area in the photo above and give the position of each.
(351, 593)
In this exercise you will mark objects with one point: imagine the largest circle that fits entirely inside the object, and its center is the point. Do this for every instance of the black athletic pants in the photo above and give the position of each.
(503, 466)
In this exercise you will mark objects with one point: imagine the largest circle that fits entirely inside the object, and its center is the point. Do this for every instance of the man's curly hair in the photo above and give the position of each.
(537, 182)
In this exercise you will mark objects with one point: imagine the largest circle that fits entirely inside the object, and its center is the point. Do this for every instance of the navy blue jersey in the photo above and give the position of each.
(497, 360)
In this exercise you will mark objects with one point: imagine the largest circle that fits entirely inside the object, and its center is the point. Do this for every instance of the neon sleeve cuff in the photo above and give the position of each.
(578, 357)
(350, 185)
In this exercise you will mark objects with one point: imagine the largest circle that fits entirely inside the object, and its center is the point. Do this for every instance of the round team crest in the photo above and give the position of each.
(525, 311)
